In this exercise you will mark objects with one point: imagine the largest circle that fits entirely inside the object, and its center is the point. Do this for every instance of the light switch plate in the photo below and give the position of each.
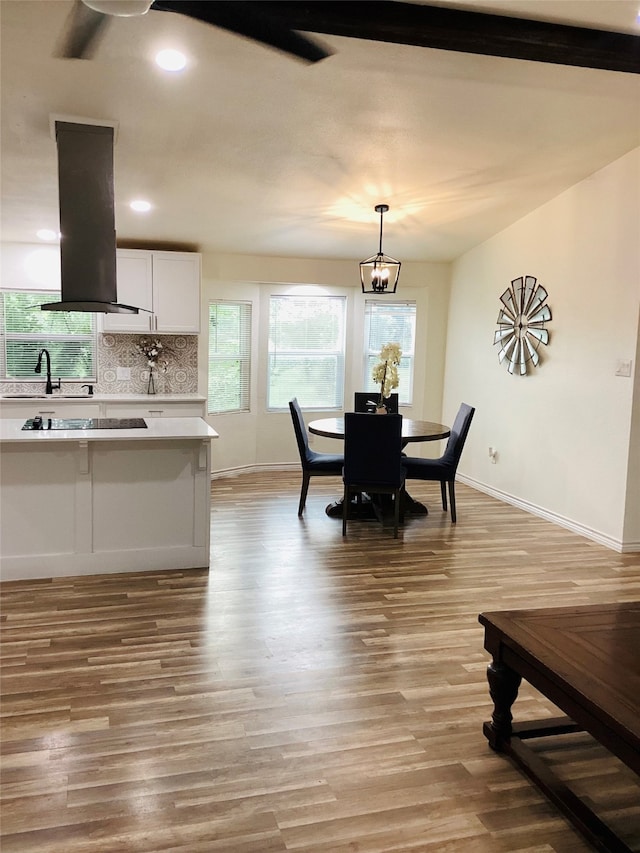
(123, 374)
(623, 367)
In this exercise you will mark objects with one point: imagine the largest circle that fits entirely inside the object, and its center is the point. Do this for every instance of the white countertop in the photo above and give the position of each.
(106, 398)
(157, 428)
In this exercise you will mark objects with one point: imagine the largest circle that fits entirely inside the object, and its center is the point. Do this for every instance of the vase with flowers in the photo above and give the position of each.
(385, 372)
(156, 354)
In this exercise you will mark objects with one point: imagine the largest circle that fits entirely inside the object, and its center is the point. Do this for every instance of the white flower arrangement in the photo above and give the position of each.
(386, 371)
(155, 352)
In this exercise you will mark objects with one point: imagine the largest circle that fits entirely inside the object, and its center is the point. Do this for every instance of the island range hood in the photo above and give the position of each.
(87, 220)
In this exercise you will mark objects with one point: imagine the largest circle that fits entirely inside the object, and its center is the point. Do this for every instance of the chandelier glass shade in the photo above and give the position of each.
(380, 273)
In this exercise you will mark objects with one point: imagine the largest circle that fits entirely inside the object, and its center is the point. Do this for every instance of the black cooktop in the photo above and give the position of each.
(85, 423)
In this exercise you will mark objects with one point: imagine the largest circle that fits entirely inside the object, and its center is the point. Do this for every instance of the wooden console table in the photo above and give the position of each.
(586, 660)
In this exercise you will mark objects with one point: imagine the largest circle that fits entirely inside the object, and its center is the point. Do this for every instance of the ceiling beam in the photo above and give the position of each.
(446, 28)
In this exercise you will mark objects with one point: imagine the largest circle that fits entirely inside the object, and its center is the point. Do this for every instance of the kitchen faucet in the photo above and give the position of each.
(38, 369)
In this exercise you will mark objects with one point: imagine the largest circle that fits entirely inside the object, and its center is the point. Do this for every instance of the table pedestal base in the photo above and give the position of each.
(367, 510)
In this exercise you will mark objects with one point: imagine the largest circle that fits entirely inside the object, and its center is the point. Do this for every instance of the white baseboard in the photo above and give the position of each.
(561, 521)
(253, 469)
(105, 562)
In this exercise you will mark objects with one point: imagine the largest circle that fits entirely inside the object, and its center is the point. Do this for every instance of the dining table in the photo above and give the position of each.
(412, 431)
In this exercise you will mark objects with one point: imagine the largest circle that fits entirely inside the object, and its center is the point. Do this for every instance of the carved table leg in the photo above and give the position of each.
(503, 687)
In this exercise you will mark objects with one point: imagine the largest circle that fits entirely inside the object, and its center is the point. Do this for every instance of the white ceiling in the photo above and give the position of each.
(250, 151)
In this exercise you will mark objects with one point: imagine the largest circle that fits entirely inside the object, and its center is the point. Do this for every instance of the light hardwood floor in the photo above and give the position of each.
(308, 693)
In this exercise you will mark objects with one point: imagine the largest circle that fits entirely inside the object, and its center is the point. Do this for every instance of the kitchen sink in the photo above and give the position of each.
(46, 397)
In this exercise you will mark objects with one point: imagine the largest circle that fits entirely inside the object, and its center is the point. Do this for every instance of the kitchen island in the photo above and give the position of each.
(90, 501)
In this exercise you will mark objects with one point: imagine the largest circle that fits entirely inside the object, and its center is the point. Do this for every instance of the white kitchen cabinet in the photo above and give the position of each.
(176, 292)
(149, 406)
(166, 285)
(116, 500)
(134, 287)
(48, 409)
(155, 409)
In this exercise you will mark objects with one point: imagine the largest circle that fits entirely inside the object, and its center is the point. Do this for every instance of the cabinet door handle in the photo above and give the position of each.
(46, 411)
(150, 322)
(157, 412)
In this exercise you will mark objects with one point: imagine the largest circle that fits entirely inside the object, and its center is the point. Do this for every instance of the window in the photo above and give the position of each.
(229, 357)
(385, 323)
(306, 351)
(70, 337)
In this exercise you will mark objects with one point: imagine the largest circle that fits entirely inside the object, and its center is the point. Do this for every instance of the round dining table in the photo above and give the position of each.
(412, 430)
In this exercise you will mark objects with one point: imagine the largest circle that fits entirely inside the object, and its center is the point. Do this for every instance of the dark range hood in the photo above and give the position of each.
(87, 220)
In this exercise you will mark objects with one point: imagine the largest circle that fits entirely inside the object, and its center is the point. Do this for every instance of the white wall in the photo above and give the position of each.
(562, 434)
(30, 266)
(632, 514)
(263, 438)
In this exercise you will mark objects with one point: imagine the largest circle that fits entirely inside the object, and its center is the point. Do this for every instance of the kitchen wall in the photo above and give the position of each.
(113, 351)
(180, 376)
(568, 435)
(37, 267)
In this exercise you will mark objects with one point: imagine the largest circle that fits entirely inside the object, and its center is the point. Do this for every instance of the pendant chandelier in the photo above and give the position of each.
(380, 273)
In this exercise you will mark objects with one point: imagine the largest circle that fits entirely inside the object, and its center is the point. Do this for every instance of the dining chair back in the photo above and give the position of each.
(373, 461)
(314, 464)
(365, 401)
(444, 469)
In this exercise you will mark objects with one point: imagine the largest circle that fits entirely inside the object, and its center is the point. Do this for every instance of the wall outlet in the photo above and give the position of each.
(493, 455)
(123, 374)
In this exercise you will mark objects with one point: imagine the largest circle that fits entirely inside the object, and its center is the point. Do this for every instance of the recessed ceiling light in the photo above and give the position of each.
(171, 60)
(140, 206)
(47, 234)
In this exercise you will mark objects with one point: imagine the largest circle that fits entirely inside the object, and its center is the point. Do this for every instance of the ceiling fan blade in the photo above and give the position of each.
(249, 20)
(465, 30)
(83, 30)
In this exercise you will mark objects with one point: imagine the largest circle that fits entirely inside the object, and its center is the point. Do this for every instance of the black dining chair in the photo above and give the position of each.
(363, 400)
(444, 469)
(373, 461)
(314, 464)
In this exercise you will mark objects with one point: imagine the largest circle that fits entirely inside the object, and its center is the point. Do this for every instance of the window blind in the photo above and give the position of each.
(229, 357)
(70, 337)
(385, 323)
(306, 351)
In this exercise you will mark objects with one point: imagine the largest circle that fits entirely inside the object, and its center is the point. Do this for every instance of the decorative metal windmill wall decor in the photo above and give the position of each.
(521, 324)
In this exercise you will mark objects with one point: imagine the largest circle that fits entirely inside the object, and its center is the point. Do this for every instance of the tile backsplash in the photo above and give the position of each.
(180, 377)
(113, 351)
